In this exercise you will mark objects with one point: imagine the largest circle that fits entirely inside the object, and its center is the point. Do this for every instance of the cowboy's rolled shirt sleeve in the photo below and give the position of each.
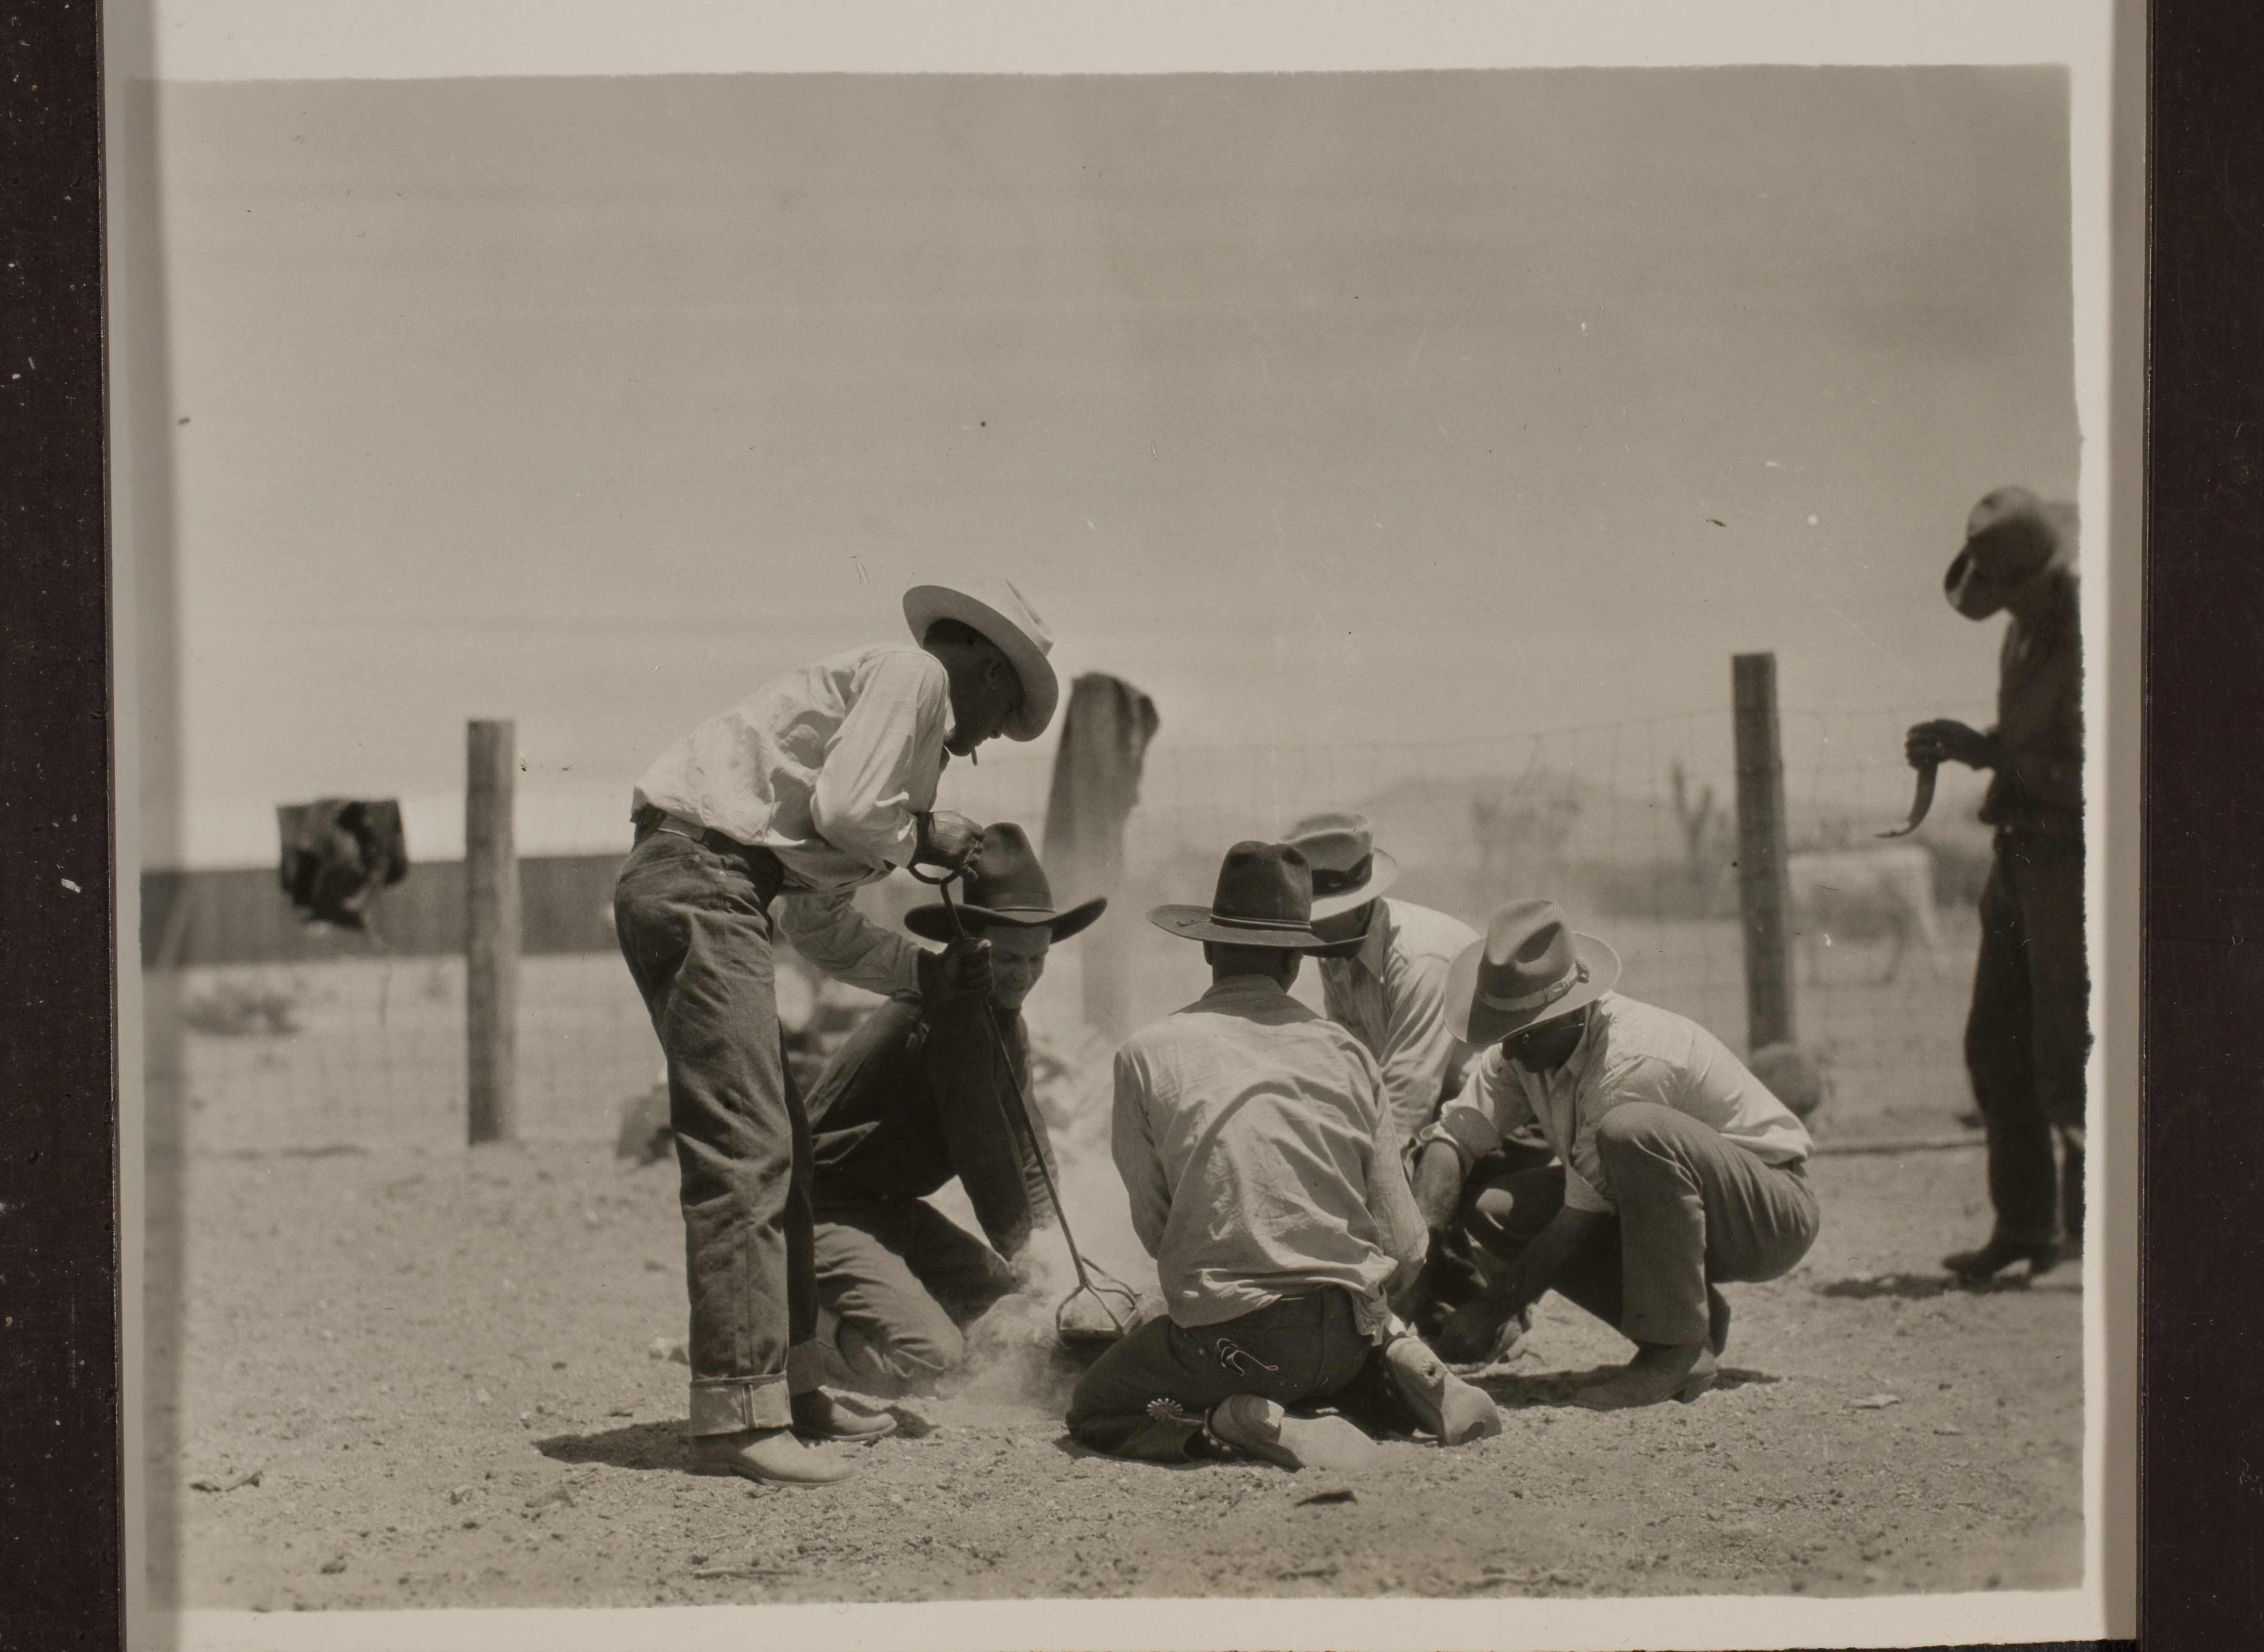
(1420, 1048)
(1400, 1228)
(1133, 1148)
(1478, 1120)
(883, 760)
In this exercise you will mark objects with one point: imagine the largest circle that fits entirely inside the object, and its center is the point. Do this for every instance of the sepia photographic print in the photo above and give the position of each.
(961, 832)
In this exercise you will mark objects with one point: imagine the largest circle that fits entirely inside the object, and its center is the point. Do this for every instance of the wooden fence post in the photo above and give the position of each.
(491, 932)
(1764, 895)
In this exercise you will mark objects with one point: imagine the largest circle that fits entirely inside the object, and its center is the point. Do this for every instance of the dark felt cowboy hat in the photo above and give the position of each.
(1530, 968)
(997, 609)
(1348, 869)
(2012, 538)
(1007, 885)
(1264, 898)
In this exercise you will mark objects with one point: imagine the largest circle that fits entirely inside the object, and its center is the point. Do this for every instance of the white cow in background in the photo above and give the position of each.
(1850, 895)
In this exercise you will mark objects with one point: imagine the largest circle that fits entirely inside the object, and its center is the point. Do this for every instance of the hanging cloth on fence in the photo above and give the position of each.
(338, 853)
(1103, 747)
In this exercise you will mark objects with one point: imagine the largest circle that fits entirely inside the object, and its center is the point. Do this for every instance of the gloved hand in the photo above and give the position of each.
(960, 968)
(947, 840)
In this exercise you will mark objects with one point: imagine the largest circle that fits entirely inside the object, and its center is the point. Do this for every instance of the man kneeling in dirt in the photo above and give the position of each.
(1265, 1177)
(919, 1094)
(1679, 1169)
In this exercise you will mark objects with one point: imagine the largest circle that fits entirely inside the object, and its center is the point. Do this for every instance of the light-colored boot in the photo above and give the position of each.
(1259, 1427)
(773, 1455)
(1454, 1411)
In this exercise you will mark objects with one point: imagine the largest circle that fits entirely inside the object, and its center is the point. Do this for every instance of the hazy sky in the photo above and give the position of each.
(1323, 408)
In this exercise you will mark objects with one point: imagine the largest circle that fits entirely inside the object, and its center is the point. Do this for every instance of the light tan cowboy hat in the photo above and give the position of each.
(1348, 869)
(2012, 538)
(997, 610)
(1529, 968)
(1264, 898)
(1006, 886)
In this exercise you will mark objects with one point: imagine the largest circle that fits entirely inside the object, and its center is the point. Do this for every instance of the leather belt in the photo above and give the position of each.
(765, 869)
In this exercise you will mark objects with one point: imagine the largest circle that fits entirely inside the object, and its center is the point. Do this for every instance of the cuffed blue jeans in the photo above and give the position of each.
(694, 928)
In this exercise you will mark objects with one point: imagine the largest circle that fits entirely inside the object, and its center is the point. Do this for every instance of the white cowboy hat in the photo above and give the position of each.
(1348, 869)
(1001, 613)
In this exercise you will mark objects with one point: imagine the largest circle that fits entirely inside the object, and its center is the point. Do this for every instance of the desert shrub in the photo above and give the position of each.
(238, 1010)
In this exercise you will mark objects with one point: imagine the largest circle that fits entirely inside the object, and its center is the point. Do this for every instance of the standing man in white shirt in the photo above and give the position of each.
(1266, 1178)
(819, 781)
(1384, 977)
(1679, 1169)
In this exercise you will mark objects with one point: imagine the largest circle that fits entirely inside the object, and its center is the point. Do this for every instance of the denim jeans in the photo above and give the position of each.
(2028, 1034)
(900, 1281)
(1695, 1210)
(694, 927)
(1147, 1396)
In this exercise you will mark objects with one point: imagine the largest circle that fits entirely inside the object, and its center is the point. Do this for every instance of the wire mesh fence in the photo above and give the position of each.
(1629, 825)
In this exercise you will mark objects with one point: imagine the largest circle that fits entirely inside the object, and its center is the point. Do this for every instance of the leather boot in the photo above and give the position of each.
(816, 1416)
(1973, 1266)
(1257, 1427)
(1659, 1371)
(773, 1455)
(1454, 1411)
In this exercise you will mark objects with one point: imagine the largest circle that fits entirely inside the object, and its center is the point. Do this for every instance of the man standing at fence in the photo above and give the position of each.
(1383, 978)
(1265, 1177)
(1679, 1169)
(2028, 1034)
(819, 781)
(921, 1093)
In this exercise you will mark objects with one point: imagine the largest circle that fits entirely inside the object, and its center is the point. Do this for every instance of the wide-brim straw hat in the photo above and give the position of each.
(1264, 898)
(2012, 538)
(1007, 885)
(1348, 869)
(998, 610)
(1528, 968)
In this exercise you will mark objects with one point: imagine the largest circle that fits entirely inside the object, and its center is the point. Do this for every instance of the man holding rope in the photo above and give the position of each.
(918, 1094)
(819, 781)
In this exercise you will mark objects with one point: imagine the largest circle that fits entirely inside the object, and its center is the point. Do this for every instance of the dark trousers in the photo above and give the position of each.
(1147, 1396)
(694, 925)
(900, 1281)
(1695, 1211)
(2029, 1034)
(1452, 1274)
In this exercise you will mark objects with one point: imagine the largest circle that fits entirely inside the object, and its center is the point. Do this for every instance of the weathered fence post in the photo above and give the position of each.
(1096, 783)
(1764, 896)
(491, 932)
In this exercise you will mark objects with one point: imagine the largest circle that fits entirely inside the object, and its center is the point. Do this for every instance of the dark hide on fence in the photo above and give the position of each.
(338, 853)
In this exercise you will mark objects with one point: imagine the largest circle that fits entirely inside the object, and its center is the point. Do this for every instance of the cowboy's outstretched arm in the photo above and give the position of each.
(1945, 740)
(1472, 1328)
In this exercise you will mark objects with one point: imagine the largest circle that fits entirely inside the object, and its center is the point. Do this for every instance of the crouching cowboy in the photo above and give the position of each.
(1266, 1178)
(918, 1094)
(1679, 1170)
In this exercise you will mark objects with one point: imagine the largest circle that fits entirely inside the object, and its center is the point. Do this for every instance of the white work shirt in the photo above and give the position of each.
(1392, 996)
(1260, 1159)
(1630, 1051)
(825, 767)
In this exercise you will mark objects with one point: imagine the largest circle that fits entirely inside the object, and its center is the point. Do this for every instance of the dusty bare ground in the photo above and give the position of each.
(436, 1364)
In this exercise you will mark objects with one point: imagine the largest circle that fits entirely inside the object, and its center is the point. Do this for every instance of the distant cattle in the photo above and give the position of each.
(1884, 892)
